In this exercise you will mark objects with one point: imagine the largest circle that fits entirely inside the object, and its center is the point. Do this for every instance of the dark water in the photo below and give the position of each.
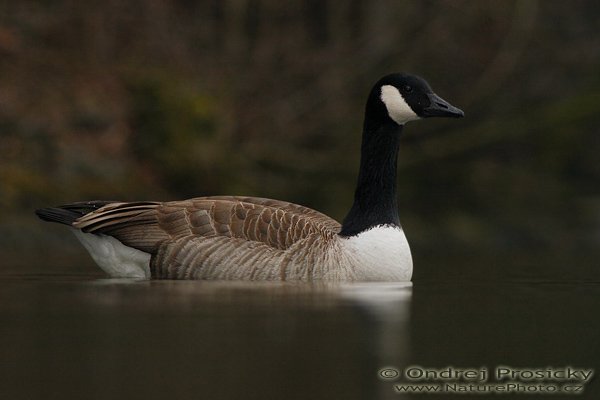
(86, 338)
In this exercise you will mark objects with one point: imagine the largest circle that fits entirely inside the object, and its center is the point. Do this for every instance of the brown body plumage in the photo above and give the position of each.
(219, 237)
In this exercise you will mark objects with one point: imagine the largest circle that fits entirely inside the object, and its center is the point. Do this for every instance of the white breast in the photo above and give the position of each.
(380, 254)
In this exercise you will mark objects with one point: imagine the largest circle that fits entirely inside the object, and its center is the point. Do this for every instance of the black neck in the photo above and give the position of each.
(375, 201)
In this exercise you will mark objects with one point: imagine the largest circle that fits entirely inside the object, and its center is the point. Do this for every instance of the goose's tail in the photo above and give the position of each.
(67, 214)
(114, 257)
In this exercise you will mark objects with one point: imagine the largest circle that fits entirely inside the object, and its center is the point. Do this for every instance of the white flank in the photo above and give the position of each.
(397, 108)
(381, 254)
(114, 257)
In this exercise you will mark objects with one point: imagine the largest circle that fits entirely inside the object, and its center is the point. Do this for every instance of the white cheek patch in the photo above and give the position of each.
(397, 109)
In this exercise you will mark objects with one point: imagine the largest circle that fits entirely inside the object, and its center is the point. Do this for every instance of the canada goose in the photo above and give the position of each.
(248, 238)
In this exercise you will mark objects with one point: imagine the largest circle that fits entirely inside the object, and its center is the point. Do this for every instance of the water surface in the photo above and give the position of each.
(83, 337)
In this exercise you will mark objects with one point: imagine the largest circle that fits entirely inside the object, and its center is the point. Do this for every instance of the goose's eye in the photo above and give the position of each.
(407, 88)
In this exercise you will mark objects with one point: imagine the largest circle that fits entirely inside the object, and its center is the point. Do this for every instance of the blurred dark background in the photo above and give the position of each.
(164, 100)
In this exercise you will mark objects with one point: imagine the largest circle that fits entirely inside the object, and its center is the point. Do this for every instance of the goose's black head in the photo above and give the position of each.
(400, 98)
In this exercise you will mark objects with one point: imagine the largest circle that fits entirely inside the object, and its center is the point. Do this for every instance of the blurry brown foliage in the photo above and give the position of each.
(167, 99)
